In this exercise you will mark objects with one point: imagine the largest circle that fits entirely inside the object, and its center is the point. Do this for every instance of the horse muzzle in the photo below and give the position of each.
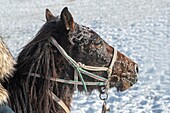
(126, 80)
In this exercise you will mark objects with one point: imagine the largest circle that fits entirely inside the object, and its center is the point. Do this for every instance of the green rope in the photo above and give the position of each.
(78, 70)
(94, 75)
(87, 73)
(81, 77)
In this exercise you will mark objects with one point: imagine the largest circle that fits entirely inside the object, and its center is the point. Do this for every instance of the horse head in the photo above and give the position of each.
(86, 46)
(49, 61)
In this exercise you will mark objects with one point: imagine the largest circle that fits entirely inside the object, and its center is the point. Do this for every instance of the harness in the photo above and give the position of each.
(80, 69)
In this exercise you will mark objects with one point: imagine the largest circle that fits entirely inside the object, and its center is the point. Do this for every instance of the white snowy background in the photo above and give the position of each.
(138, 28)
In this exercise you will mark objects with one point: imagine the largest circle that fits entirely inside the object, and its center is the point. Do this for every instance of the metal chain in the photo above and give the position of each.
(104, 96)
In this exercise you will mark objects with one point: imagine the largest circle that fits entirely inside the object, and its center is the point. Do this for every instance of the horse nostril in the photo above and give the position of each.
(136, 68)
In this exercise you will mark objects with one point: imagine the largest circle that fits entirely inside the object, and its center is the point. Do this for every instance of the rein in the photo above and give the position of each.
(79, 70)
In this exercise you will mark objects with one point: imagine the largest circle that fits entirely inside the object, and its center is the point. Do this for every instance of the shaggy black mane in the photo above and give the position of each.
(39, 57)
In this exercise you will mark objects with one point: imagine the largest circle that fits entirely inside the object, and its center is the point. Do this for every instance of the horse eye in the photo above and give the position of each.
(98, 42)
(136, 68)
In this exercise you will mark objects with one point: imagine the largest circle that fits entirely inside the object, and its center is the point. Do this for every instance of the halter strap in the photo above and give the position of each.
(76, 82)
(109, 72)
(82, 68)
(59, 101)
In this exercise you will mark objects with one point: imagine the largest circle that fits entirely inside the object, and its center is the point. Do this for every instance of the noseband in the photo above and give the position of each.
(80, 69)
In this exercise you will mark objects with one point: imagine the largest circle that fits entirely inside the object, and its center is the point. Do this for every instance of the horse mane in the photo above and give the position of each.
(38, 57)
(35, 50)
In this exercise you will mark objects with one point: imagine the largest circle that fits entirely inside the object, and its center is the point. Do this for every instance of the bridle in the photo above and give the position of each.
(80, 69)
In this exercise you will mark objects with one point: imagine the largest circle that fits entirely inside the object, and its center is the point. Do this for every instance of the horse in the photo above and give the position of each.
(65, 56)
(6, 70)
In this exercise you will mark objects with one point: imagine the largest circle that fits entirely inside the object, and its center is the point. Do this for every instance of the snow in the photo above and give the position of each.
(138, 28)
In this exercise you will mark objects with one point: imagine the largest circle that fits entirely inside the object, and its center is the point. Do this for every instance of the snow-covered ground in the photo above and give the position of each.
(138, 28)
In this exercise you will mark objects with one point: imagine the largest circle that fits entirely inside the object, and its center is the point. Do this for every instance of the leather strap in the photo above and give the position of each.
(59, 101)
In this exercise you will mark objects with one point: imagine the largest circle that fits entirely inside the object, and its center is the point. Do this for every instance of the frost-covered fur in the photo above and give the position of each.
(3, 95)
(6, 69)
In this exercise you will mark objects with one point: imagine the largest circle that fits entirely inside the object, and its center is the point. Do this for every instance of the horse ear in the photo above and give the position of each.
(67, 19)
(48, 15)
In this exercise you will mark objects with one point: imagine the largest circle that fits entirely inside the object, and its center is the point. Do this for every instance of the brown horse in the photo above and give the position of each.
(46, 66)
